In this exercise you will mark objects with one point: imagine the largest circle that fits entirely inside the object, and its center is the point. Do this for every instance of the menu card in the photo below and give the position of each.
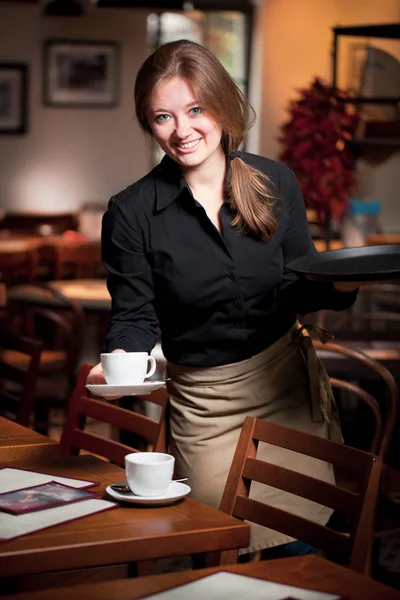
(15, 479)
(12, 526)
(231, 586)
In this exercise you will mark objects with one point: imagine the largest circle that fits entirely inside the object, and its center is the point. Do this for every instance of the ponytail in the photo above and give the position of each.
(251, 197)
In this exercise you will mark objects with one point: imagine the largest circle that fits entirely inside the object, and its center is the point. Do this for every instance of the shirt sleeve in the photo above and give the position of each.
(299, 294)
(133, 321)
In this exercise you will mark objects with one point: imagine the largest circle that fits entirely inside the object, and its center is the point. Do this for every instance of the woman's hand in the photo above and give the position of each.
(96, 377)
(348, 286)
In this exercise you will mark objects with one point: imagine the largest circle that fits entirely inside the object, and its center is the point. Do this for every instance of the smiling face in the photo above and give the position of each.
(181, 126)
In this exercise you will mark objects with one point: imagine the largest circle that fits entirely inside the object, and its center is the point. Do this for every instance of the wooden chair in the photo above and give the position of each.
(18, 382)
(59, 323)
(359, 508)
(82, 406)
(374, 316)
(384, 417)
(19, 263)
(71, 260)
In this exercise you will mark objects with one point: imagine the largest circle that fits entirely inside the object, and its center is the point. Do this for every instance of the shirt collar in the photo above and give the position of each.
(170, 183)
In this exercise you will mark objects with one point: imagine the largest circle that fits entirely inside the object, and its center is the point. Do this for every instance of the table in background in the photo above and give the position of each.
(310, 572)
(19, 443)
(126, 534)
(377, 239)
(93, 296)
(387, 353)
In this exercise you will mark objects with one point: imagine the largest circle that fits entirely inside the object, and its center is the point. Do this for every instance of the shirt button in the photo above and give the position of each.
(237, 304)
(232, 276)
(238, 324)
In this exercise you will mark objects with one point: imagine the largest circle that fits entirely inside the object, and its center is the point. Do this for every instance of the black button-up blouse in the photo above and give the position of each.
(217, 298)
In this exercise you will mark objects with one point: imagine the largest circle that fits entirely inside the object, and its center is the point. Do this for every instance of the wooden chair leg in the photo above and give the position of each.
(206, 559)
(42, 418)
(145, 567)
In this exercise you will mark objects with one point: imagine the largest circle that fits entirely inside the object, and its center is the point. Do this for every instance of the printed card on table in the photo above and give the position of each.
(41, 497)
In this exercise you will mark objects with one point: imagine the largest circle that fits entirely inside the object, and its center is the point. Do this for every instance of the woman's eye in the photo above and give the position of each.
(161, 118)
(195, 111)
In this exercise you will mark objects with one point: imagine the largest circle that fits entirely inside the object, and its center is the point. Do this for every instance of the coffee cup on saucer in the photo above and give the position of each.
(149, 473)
(127, 368)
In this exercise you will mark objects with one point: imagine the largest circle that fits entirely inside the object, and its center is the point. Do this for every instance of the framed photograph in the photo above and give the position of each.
(13, 98)
(81, 73)
(40, 497)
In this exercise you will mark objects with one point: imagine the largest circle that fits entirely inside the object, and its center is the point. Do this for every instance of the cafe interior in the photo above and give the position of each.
(69, 140)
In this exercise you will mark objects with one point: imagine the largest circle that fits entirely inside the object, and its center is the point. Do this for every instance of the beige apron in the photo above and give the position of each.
(287, 384)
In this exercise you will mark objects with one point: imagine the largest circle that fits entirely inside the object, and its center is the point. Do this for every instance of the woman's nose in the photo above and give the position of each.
(183, 128)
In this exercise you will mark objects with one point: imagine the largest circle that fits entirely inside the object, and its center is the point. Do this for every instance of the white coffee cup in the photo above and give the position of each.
(127, 368)
(149, 473)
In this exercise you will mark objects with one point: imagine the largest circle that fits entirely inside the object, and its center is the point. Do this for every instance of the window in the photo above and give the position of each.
(225, 33)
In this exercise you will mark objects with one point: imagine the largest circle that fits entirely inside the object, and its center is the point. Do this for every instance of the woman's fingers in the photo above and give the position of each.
(96, 377)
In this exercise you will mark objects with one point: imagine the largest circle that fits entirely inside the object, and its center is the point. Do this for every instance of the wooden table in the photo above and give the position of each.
(19, 443)
(333, 245)
(310, 572)
(91, 294)
(123, 535)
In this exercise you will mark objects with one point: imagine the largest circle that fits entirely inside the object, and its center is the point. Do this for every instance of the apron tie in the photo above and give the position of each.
(320, 387)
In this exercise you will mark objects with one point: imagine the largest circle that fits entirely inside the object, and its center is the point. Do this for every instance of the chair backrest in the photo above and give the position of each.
(358, 508)
(45, 312)
(18, 382)
(358, 392)
(74, 260)
(82, 406)
(19, 264)
(374, 316)
(384, 427)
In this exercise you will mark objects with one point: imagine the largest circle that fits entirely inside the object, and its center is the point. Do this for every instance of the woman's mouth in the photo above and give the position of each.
(188, 146)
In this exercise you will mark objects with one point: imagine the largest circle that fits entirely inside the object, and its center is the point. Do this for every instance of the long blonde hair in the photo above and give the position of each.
(249, 189)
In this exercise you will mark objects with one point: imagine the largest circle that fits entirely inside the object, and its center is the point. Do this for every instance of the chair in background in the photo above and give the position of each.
(384, 416)
(18, 382)
(74, 260)
(374, 316)
(358, 508)
(385, 419)
(382, 296)
(18, 262)
(82, 407)
(48, 315)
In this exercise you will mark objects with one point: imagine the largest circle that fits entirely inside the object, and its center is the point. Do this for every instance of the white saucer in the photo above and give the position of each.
(125, 390)
(175, 491)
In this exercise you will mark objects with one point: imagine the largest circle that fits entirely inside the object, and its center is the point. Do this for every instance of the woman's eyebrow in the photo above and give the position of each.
(153, 110)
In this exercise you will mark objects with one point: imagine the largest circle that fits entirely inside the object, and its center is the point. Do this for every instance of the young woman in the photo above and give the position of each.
(199, 247)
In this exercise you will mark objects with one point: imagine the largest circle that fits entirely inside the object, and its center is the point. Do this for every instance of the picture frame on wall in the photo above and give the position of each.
(13, 98)
(80, 73)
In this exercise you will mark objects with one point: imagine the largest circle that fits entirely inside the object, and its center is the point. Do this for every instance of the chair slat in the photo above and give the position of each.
(120, 417)
(312, 445)
(91, 442)
(293, 482)
(302, 529)
(81, 406)
(13, 372)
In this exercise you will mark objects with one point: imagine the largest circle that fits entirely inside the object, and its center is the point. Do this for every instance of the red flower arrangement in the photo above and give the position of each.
(316, 147)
